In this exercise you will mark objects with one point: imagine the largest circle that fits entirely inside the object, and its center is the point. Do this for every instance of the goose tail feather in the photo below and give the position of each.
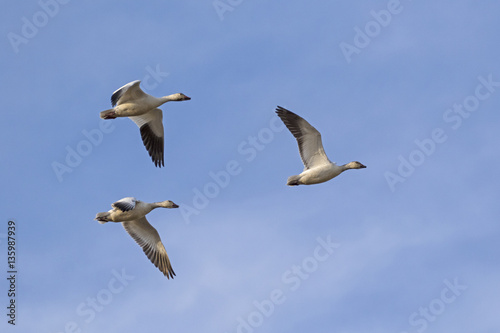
(102, 217)
(293, 180)
(108, 114)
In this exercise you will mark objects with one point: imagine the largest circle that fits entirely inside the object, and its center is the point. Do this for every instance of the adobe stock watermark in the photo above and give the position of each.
(32, 25)
(74, 156)
(153, 77)
(94, 137)
(87, 310)
(371, 30)
(419, 320)
(248, 150)
(223, 6)
(293, 279)
(454, 117)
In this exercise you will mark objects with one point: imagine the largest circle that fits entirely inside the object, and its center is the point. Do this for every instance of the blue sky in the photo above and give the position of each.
(412, 239)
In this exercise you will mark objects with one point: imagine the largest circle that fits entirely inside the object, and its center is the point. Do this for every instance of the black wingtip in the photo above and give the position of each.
(115, 97)
(158, 163)
(154, 146)
(281, 111)
(169, 274)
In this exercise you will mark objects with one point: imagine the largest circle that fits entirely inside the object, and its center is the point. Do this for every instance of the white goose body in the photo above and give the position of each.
(132, 214)
(320, 174)
(317, 167)
(121, 214)
(130, 101)
(135, 108)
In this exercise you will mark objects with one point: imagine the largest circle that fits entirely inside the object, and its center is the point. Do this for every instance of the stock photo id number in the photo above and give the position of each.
(11, 272)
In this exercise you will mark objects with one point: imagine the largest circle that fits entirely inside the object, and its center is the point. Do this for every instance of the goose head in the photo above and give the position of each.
(167, 204)
(354, 165)
(179, 97)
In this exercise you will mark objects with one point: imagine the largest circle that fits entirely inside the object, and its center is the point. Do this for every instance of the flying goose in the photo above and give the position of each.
(132, 214)
(130, 101)
(317, 166)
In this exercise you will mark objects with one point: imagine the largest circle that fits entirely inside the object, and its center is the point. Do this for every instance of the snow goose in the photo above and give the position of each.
(132, 214)
(317, 166)
(130, 101)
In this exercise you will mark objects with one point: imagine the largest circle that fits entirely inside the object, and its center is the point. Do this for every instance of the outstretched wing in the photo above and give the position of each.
(151, 126)
(148, 238)
(125, 204)
(130, 91)
(308, 138)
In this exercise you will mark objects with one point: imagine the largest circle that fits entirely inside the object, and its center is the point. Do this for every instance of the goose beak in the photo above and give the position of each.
(363, 166)
(187, 98)
(175, 206)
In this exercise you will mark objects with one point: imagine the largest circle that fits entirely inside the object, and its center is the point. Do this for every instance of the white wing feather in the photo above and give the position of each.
(148, 238)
